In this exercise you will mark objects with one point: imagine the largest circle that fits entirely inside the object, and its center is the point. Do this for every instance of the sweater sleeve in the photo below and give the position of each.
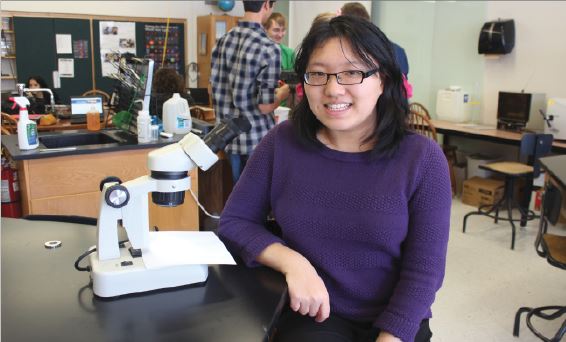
(242, 223)
(424, 249)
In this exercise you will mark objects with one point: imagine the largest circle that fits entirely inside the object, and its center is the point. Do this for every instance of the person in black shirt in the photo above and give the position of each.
(38, 99)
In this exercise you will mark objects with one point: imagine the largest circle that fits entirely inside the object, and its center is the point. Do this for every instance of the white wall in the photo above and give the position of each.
(411, 25)
(188, 10)
(538, 62)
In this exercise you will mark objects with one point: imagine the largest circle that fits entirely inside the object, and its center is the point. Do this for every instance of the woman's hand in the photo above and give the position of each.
(307, 292)
(384, 336)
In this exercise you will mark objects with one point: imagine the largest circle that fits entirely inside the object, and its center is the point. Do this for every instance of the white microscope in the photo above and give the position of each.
(119, 270)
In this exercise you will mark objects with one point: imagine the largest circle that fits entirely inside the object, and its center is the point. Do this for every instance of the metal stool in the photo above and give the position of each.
(533, 146)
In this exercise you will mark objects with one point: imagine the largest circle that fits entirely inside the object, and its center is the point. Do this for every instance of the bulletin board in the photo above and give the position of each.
(149, 42)
(36, 48)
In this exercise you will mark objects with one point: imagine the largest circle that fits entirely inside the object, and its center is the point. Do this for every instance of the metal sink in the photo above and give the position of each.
(82, 139)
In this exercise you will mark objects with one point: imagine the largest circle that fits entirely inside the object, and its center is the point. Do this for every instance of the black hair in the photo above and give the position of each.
(255, 5)
(374, 49)
(42, 84)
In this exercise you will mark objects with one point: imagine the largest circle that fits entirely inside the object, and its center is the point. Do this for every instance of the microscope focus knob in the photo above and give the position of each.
(110, 179)
(117, 196)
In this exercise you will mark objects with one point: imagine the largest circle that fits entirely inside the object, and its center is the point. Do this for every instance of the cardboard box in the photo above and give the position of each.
(479, 191)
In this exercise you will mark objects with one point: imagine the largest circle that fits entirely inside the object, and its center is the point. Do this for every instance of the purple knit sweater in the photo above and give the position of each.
(376, 231)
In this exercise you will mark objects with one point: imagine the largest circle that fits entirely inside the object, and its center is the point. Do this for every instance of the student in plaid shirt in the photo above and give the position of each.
(245, 71)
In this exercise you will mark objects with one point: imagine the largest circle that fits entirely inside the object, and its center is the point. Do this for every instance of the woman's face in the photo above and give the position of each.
(33, 84)
(276, 32)
(340, 108)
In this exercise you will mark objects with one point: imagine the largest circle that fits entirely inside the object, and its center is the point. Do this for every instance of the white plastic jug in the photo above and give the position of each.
(176, 115)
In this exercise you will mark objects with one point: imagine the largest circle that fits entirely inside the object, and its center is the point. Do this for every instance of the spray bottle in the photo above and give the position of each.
(27, 129)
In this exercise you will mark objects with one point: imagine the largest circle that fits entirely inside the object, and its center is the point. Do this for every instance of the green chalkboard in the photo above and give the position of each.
(37, 55)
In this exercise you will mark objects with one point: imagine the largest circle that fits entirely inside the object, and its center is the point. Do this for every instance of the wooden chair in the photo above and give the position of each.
(96, 92)
(449, 150)
(419, 108)
(105, 103)
(9, 124)
(553, 248)
(419, 123)
(533, 146)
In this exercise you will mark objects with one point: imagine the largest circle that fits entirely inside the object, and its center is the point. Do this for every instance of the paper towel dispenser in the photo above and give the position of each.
(497, 37)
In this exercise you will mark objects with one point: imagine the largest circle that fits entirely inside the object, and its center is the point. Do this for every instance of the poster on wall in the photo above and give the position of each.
(116, 38)
(155, 46)
(80, 49)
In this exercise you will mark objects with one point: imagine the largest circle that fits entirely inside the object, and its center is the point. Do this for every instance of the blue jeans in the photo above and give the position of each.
(237, 163)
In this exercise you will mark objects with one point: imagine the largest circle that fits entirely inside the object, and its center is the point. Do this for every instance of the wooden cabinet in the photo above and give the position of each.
(69, 185)
(209, 29)
(8, 52)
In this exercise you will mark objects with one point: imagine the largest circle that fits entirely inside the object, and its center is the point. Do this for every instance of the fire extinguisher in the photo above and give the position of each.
(11, 206)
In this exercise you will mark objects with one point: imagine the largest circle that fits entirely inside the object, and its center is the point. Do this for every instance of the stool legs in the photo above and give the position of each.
(539, 312)
(509, 187)
(507, 202)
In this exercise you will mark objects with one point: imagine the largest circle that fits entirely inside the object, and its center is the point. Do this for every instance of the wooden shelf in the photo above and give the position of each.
(9, 57)
(8, 31)
(8, 77)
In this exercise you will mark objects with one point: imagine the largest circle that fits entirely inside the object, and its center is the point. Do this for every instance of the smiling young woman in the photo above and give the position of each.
(363, 204)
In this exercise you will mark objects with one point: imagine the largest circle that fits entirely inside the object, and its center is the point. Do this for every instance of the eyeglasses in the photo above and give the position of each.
(349, 77)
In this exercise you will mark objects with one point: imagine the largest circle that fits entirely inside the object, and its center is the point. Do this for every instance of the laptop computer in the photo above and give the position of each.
(80, 105)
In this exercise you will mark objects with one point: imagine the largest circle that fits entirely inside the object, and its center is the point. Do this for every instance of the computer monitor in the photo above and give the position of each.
(200, 96)
(80, 105)
(517, 111)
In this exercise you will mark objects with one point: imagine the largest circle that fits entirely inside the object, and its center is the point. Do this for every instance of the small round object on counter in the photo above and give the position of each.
(53, 244)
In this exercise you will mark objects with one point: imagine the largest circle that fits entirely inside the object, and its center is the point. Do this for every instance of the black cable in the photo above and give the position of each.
(85, 254)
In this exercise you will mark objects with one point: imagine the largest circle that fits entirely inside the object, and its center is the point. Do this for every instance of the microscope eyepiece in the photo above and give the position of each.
(225, 132)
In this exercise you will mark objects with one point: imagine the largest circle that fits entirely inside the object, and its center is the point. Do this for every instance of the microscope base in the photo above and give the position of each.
(117, 277)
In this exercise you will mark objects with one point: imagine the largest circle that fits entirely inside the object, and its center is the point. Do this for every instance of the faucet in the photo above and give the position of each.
(22, 89)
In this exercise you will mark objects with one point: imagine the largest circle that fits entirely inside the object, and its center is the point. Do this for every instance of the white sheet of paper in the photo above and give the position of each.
(66, 67)
(56, 79)
(63, 43)
(185, 248)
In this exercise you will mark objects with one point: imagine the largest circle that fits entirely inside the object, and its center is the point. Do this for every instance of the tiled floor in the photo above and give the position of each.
(486, 282)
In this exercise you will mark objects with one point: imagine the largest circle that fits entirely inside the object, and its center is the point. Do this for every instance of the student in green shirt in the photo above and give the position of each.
(276, 28)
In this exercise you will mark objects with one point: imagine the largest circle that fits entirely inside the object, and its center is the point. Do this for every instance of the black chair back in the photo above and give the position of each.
(534, 146)
(543, 147)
